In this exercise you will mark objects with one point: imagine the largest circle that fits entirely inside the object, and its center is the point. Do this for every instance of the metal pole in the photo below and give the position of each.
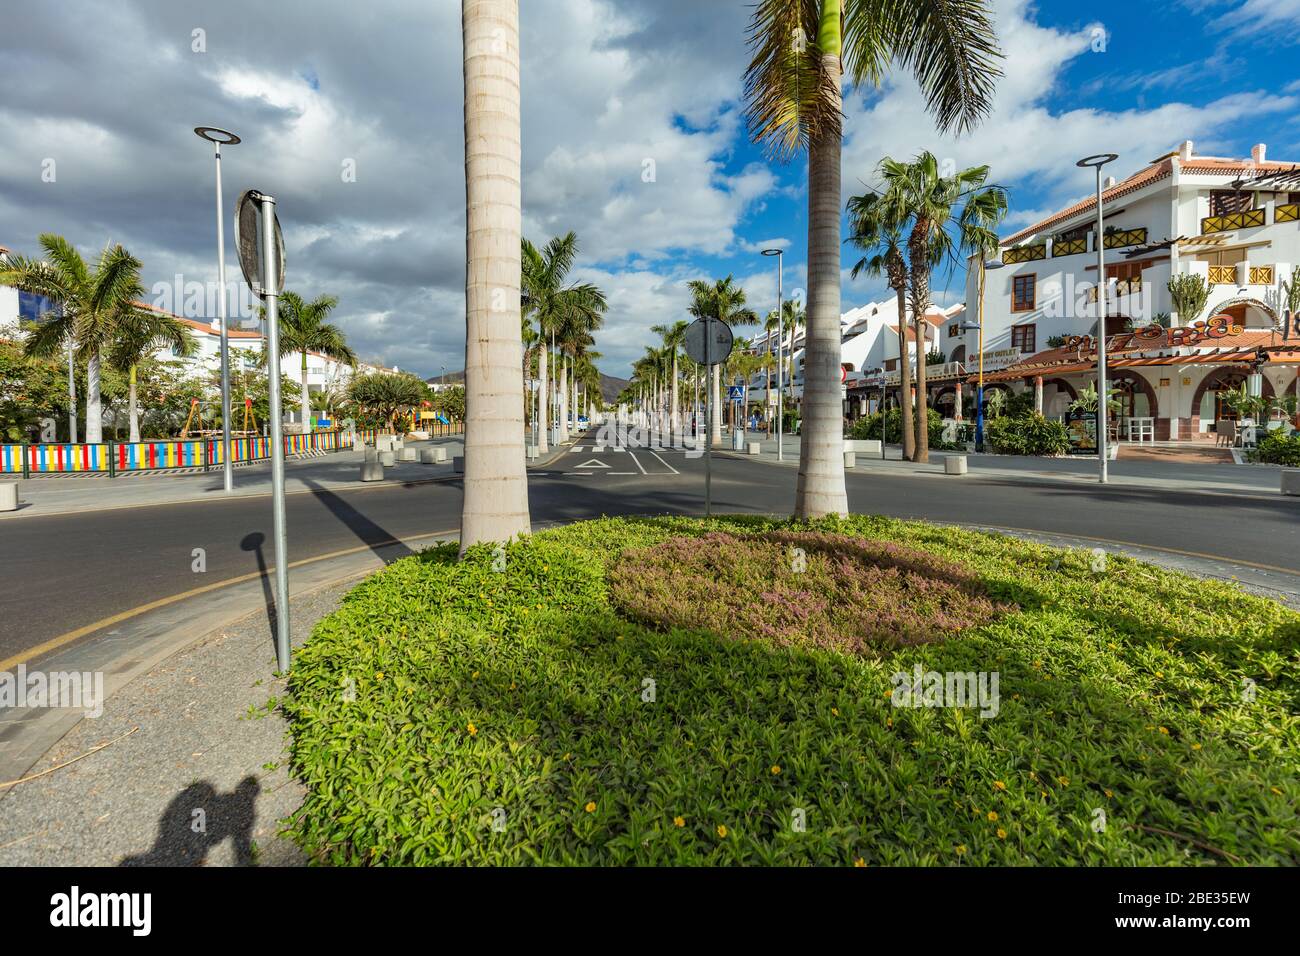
(227, 467)
(271, 281)
(780, 356)
(708, 431)
(1102, 410)
(979, 389)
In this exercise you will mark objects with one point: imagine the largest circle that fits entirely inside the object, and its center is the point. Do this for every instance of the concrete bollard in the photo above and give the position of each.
(371, 454)
(8, 496)
(429, 456)
(407, 454)
(850, 459)
(458, 465)
(1290, 482)
(755, 448)
(954, 465)
(530, 452)
(372, 471)
(388, 458)
(439, 456)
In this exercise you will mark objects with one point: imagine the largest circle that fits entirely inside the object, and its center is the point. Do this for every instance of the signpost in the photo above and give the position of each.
(708, 342)
(261, 256)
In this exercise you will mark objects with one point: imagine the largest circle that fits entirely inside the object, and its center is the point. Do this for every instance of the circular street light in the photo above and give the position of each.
(1096, 162)
(222, 137)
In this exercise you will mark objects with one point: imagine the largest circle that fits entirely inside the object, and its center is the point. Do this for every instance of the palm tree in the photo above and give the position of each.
(917, 193)
(674, 337)
(557, 307)
(876, 229)
(387, 395)
(724, 300)
(89, 308)
(793, 92)
(139, 334)
(495, 504)
(303, 329)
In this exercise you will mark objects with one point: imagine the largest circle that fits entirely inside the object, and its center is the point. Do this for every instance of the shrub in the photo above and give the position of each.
(1031, 435)
(867, 428)
(450, 714)
(1278, 449)
(834, 591)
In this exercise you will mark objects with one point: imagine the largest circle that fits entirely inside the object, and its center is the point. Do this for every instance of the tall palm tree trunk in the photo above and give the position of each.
(543, 399)
(496, 487)
(715, 382)
(820, 490)
(306, 398)
(563, 395)
(133, 406)
(94, 408)
(917, 248)
(676, 415)
(905, 417)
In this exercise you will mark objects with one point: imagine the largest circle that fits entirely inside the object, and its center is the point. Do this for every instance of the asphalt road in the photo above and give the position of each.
(64, 572)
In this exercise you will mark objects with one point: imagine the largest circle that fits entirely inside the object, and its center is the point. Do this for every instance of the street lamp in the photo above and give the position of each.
(986, 265)
(780, 346)
(881, 372)
(218, 138)
(1097, 162)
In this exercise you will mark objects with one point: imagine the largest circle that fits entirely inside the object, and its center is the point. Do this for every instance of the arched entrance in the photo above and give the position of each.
(1136, 396)
(1207, 402)
(945, 401)
(1247, 312)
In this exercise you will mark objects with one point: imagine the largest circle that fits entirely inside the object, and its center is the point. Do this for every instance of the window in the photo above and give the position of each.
(1022, 293)
(1224, 201)
(1023, 337)
(954, 330)
(891, 365)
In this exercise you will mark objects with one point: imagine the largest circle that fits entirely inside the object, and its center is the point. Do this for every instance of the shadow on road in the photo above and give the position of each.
(253, 542)
(199, 819)
(371, 534)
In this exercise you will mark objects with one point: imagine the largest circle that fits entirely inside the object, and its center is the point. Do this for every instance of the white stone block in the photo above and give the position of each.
(954, 465)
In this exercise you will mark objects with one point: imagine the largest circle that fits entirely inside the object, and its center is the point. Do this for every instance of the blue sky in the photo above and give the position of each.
(375, 90)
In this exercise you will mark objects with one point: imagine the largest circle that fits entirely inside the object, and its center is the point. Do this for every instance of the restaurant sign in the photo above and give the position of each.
(1159, 337)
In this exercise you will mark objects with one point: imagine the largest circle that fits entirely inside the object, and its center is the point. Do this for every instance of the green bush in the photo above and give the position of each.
(1278, 449)
(451, 714)
(867, 428)
(1031, 435)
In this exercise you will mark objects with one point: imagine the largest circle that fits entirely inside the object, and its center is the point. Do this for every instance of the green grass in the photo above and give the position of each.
(443, 690)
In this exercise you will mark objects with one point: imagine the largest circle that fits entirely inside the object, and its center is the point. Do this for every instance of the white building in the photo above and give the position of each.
(1234, 222)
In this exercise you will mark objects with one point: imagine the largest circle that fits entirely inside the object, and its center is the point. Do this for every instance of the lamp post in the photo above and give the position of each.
(986, 265)
(218, 138)
(881, 372)
(780, 346)
(1097, 162)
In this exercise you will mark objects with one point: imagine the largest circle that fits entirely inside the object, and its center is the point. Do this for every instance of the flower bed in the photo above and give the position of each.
(449, 713)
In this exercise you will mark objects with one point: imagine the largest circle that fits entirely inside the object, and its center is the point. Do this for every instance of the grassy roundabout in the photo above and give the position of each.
(450, 712)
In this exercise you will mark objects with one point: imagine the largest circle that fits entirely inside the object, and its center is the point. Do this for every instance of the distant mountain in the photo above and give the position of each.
(451, 378)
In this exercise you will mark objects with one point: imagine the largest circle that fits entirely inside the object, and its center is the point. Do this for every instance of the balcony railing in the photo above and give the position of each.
(1069, 247)
(1288, 213)
(1261, 275)
(1130, 286)
(1223, 275)
(1024, 254)
(1245, 219)
(1125, 237)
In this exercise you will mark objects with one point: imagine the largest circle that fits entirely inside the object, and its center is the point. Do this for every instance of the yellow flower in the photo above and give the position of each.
(889, 693)
(1063, 781)
(993, 816)
(859, 862)
(1276, 790)
(1002, 834)
(1159, 674)
(513, 685)
(835, 711)
(999, 785)
(961, 849)
(1196, 746)
(566, 756)
(474, 675)
(1108, 794)
(1164, 730)
(889, 721)
(379, 676)
(776, 768)
(590, 807)
(722, 830)
(1032, 775)
(679, 821)
(472, 729)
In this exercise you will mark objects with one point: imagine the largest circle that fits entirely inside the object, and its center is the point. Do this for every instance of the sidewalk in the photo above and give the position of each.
(1232, 479)
(63, 494)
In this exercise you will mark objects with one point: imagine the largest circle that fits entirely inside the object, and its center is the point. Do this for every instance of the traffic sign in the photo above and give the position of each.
(735, 393)
(248, 243)
(708, 341)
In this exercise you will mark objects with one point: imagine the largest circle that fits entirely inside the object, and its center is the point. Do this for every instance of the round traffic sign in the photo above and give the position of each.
(708, 341)
(248, 244)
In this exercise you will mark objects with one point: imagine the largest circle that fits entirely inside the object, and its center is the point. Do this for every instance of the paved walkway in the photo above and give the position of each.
(63, 494)
(1203, 477)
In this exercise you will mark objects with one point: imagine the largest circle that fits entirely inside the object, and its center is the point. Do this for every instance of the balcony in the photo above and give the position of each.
(1024, 254)
(1125, 237)
(1288, 213)
(1068, 247)
(1130, 286)
(1245, 219)
(1223, 275)
(1261, 275)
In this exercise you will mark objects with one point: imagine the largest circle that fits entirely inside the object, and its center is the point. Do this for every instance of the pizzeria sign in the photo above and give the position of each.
(1159, 337)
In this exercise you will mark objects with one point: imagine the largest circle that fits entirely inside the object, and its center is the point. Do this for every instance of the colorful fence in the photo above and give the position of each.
(114, 457)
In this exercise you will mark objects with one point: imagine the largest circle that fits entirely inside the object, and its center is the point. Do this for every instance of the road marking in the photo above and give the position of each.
(55, 643)
(665, 464)
(637, 462)
(575, 449)
(592, 463)
(622, 473)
